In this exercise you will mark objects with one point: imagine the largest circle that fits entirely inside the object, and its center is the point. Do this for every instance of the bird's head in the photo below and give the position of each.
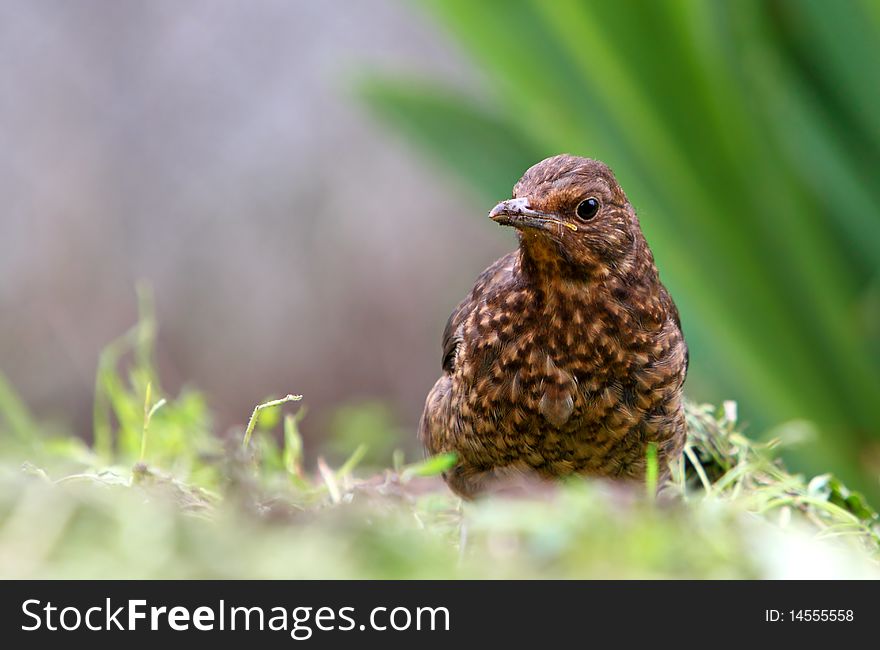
(571, 211)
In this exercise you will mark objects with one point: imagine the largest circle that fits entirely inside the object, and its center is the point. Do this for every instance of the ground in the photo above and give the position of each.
(257, 513)
(158, 495)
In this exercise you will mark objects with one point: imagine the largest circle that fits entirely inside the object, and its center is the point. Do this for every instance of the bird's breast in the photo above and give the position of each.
(535, 362)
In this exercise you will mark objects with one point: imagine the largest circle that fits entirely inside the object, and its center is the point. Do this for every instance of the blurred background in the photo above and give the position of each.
(304, 185)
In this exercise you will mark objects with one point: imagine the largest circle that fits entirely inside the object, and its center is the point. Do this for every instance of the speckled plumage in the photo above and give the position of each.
(567, 356)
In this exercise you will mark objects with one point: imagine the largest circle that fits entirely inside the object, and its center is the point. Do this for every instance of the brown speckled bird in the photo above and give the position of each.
(567, 356)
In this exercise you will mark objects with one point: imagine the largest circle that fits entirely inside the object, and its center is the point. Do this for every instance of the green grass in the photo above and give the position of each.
(158, 495)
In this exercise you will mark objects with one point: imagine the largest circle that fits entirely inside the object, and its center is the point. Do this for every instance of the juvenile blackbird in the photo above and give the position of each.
(567, 356)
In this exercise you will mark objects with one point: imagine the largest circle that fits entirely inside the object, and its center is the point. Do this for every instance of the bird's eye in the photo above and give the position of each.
(587, 209)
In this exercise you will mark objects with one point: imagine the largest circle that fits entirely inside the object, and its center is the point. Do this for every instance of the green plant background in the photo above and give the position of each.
(747, 135)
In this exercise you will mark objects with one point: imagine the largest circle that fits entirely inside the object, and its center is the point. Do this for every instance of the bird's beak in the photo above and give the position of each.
(518, 213)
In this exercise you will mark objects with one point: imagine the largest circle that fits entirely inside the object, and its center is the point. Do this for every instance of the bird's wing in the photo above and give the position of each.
(673, 310)
(490, 279)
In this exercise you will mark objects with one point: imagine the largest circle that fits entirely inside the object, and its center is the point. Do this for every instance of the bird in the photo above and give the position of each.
(567, 357)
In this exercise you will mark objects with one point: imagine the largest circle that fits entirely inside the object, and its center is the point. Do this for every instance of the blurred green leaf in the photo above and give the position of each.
(433, 466)
(474, 144)
(293, 445)
(827, 487)
(14, 414)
